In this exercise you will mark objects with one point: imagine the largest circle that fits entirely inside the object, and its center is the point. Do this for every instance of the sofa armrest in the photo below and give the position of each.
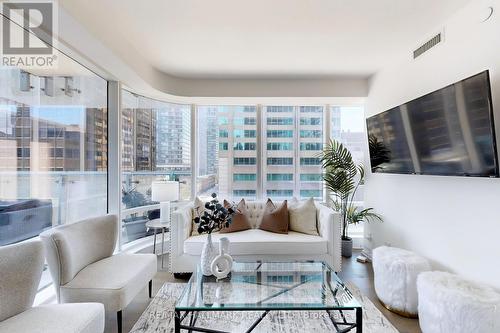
(180, 228)
(330, 228)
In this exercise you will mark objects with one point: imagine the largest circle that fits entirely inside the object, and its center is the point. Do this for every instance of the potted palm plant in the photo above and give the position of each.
(342, 178)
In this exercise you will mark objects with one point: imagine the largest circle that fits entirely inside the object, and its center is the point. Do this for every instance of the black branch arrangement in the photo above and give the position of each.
(215, 216)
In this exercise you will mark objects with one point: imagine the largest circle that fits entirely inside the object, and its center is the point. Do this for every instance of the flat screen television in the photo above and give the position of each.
(449, 132)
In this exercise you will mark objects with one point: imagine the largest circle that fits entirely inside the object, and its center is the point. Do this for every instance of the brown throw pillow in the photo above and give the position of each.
(240, 219)
(275, 219)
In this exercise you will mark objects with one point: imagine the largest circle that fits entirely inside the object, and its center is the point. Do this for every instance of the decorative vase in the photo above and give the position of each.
(208, 254)
(222, 264)
(347, 247)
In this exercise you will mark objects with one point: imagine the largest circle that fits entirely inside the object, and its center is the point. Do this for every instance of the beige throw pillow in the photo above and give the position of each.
(303, 218)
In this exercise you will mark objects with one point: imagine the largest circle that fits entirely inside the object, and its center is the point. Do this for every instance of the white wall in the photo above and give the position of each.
(454, 221)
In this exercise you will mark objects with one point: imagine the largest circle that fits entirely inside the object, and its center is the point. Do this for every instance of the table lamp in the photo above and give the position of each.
(164, 192)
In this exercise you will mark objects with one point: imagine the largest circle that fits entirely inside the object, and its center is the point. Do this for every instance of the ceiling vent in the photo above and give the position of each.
(428, 45)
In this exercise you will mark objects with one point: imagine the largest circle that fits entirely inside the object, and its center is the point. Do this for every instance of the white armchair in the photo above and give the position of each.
(20, 272)
(256, 244)
(84, 269)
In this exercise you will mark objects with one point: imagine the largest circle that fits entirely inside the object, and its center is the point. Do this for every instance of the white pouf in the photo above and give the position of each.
(448, 303)
(395, 275)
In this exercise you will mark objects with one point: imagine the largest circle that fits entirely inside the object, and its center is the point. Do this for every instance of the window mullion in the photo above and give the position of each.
(115, 154)
(194, 149)
(326, 138)
(296, 144)
(260, 151)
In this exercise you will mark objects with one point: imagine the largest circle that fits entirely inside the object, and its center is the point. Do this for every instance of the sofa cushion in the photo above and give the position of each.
(113, 281)
(240, 220)
(275, 219)
(303, 217)
(58, 318)
(256, 241)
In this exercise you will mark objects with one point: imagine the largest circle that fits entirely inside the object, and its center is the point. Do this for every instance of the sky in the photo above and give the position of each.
(352, 119)
(65, 114)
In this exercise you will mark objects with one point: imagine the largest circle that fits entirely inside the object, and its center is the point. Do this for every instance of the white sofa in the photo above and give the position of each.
(256, 244)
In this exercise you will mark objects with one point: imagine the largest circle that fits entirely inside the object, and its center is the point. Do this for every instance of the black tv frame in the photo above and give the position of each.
(492, 131)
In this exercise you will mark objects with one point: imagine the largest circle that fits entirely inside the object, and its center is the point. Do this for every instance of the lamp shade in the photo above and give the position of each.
(162, 191)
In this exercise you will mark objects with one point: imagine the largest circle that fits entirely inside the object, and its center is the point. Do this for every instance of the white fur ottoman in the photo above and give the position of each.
(448, 303)
(395, 274)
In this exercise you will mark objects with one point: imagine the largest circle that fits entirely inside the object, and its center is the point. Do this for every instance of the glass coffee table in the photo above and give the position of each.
(268, 286)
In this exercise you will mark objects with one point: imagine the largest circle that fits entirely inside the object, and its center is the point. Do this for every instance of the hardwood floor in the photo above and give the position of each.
(359, 274)
(362, 276)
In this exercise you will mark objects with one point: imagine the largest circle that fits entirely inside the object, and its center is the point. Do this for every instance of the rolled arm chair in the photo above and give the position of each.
(20, 272)
(84, 269)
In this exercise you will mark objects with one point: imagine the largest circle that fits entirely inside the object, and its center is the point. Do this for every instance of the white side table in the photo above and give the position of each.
(157, 225)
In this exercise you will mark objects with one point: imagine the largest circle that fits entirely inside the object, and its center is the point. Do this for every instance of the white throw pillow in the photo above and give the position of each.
(303, 218)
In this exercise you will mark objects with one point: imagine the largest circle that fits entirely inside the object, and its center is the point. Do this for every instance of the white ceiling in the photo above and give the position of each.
(265, 38)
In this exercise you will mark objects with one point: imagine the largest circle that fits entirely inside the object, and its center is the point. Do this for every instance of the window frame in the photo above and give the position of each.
(297, 111)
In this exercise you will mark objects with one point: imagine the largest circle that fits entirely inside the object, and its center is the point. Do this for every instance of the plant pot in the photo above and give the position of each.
(208, 254)
(347, 247)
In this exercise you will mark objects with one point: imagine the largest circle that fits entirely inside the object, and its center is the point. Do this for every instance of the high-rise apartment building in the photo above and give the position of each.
(96, 139)
(356, 143)
(287, 154)
(42, 144)
(272, 152)
(145, 139)
(157, 138)
(237, 151)
(293, 138)
(207, 148)
(335, 123)
(128, 148)
(173, 143)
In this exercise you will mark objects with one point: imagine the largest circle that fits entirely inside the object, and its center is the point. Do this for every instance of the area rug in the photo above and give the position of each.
(159, 317)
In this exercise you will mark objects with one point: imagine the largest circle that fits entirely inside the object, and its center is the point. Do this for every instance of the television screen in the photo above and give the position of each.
(447, 132)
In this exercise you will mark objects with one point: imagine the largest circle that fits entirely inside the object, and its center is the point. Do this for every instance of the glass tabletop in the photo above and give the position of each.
(268, 286)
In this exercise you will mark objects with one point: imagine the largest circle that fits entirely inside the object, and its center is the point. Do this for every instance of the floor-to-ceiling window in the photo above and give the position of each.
(156, 145)
(348, 126)
(271, 150)
(53, 149)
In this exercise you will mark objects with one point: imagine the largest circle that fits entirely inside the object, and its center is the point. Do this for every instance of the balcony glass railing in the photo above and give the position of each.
(137, 203)
(35, 201)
